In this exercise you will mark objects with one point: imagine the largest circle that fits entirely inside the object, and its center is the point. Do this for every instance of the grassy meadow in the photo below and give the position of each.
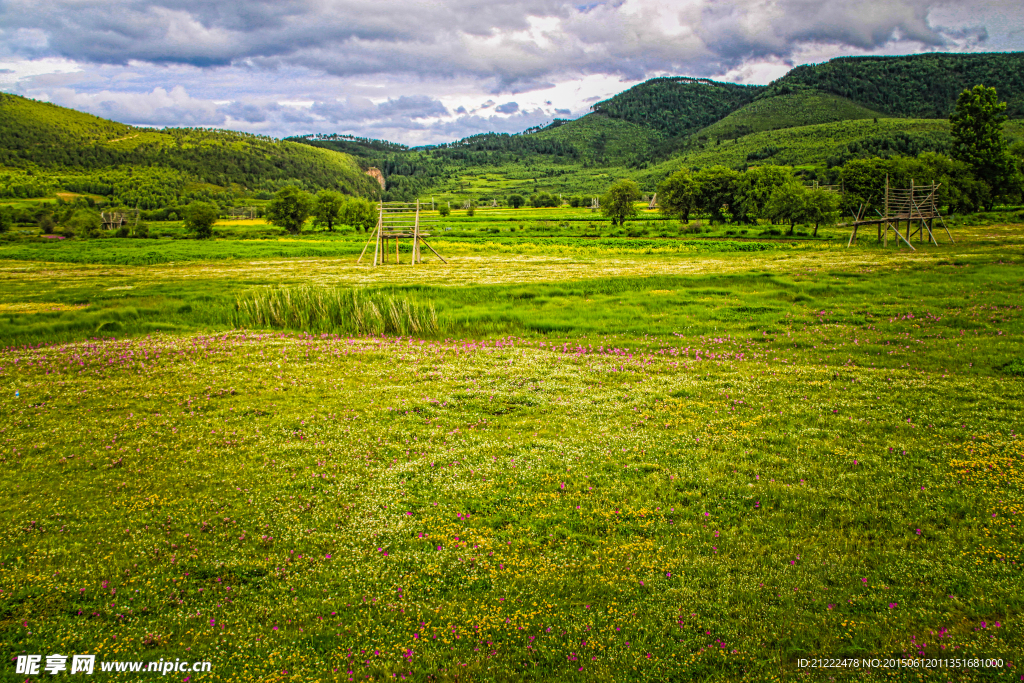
(571, 454)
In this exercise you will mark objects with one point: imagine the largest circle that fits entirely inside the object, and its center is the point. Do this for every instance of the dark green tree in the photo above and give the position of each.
(822, 208)
(515, 201)
(328, 208)
(200, 217)
(46, 223)
(717, 187)
(754, 187)
(619, 202)
(976, 126)
(789, 203)
(678, 194)
(290, 208)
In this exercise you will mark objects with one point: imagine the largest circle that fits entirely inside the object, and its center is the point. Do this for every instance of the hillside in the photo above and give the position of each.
(804, 108)
(63, 143)
(602, 140)
(677, 106)
(826, 144)
(914, 86)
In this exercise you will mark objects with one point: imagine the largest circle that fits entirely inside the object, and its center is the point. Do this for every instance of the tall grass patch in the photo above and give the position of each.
(319, 309)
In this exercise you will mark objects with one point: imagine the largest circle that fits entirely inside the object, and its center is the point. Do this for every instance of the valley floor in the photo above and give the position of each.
(629, 467)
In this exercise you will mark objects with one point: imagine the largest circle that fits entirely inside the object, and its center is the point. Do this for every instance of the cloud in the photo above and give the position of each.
(415, 69)
(156, 108)
(415, 106)
(516, 42)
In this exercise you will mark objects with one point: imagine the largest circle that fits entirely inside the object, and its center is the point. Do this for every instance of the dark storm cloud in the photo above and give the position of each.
(519, 43)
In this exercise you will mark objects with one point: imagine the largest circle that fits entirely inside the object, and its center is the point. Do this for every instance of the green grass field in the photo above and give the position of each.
(629, 458)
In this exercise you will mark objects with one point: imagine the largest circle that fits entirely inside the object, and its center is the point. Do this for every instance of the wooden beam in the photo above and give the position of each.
(432, 249)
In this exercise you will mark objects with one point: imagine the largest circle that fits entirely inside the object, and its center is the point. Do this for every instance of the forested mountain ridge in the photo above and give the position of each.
(39, 136)
(678, 105)
(915, 86)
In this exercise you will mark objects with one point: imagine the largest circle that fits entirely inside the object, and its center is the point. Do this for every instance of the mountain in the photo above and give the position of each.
(914, 86)
(804, 108)
(677, 106)
(680, 117)
(82, 152)
(599, 139)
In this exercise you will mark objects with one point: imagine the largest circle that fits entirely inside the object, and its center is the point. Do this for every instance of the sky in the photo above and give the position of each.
(420, 72)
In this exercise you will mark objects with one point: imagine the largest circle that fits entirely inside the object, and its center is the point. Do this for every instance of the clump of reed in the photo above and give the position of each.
(336, 310)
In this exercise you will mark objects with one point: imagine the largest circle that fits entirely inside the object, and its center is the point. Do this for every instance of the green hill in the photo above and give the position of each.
(602, 140)
(787, 111)
(74, 150)
(824, 144)
(914, 86)
(677, 106)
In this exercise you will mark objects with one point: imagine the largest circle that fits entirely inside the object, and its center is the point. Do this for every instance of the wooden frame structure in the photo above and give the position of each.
(112, 220)
(916, 203)
(397, 221)
(242, 212)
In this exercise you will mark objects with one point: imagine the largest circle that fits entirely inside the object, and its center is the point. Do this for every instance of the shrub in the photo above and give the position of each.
(85, 223)
(1014, 367)
(46, 224)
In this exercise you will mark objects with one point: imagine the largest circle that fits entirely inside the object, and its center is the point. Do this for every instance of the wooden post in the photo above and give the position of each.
(432, 249)
(377, 242)
(416, 236)
(886, 216)
(910, 217)
(373, 237)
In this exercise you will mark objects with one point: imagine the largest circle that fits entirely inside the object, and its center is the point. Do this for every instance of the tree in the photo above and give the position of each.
(618, 203)
(5, 220)
(976, 127)
(754, 187)
(822, 207)
(444, 210)
(200, 217)
(46, 224)
(85, 223)
(515, 201)
(358, 212)
(328, 208)
(717, 186)
(544, 200)
(788, 203)
(677, 195)
(290, 208)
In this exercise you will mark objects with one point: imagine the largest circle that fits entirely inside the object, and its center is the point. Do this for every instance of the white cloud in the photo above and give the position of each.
(156, 108)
